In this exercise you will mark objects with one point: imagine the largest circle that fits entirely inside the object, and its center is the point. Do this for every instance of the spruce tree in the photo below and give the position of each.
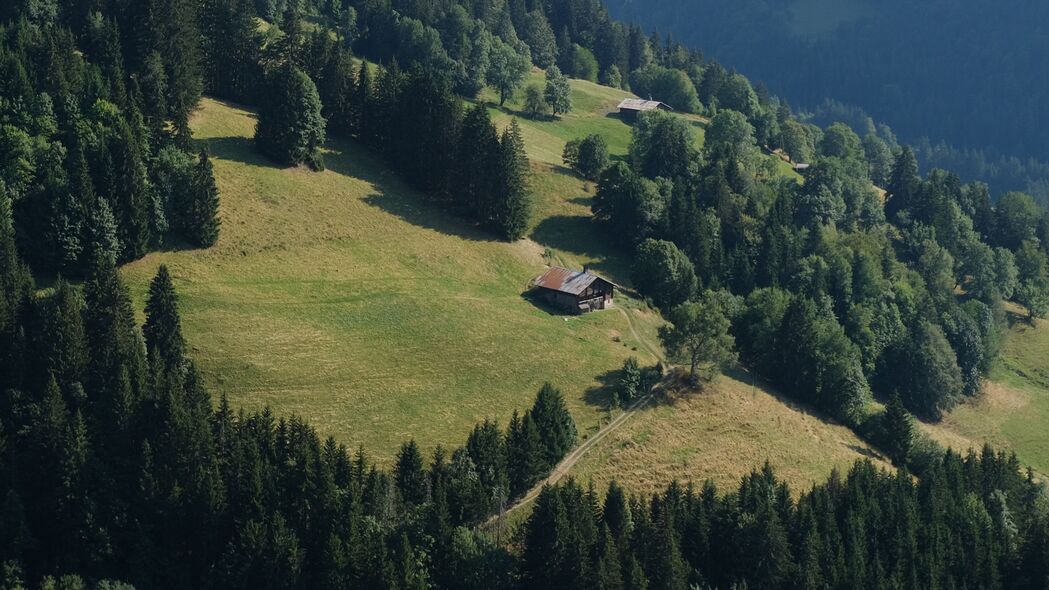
(290, 128)
(133, 198)
(163, 330)
(411, 481)
(201, 214)
(898, 431)
(554, 424)
(512, 213)
(15, 293)
(475, 163)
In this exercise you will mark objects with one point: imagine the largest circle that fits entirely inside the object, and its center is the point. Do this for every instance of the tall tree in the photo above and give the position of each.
(700, 337)
(290, 129)
(512, 213)
(163, 328)
(201, 222)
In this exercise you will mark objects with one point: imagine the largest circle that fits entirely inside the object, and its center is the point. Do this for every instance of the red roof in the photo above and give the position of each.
(572, 282)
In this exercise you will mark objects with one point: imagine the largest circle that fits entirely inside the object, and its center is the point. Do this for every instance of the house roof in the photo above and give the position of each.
(640, 104)
(568, 281)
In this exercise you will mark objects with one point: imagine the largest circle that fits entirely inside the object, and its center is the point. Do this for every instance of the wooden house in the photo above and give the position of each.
(574, 291)
(631, 107)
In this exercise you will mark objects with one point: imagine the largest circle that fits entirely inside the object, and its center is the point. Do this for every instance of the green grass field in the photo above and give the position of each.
(344, 297)
(721, 434)
(1013, 412)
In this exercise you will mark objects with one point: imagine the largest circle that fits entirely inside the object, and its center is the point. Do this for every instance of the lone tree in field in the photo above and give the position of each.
(290, 128)
(558, 92)
(699, 337)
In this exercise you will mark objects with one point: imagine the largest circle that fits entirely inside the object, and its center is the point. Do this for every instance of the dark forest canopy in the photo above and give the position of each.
(114, 463)
(970, 74)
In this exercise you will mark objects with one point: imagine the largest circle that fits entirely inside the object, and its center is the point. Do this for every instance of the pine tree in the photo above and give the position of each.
(290, 128)
(554, 424)
(113, 341)
(201, 214)
(411, 481)
(362, 96)
(15, 293)
(61, 346)
(133, 197)
(512, 213)
(524, 451)
(898, 431)
(475, 163)
(162, 330)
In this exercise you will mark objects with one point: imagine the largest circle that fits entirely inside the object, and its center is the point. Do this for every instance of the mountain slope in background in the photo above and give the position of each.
(971, 73)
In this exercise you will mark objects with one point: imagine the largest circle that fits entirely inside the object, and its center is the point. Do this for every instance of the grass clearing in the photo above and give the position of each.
(343, 297)
(721, 434)
(1013, 411)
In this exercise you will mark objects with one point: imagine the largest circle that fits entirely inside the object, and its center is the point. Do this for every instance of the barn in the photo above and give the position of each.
(574, 291)
(630, 107)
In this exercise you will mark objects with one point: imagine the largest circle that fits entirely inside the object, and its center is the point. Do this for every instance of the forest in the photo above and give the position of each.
(964, 75)
(117, 468)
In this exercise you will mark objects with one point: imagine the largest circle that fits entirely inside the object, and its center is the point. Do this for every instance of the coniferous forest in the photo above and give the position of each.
(118, 469)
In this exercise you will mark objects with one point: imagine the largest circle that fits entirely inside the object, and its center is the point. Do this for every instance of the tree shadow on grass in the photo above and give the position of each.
(579, 235)
(237, 149)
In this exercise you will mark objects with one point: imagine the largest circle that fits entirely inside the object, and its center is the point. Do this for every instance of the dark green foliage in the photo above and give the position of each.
(664, 273)
(163, 330)
(554, 425)
(588, 156)
(512, 212)
(201, 222)
(661, 145)
(411, 481)
(699, 336)
(671, 86)
(899, 431)
(290, 129)
(631, 206)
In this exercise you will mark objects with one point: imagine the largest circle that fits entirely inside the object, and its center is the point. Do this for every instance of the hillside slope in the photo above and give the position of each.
(1013, 411)
(344, 297)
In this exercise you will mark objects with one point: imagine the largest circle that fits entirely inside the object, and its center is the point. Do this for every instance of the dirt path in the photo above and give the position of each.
(651, 349)
(579, 452)
(570, 461)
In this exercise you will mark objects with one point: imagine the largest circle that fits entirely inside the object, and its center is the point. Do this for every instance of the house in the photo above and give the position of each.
(630, 107)
(800, 168)
(575, 291)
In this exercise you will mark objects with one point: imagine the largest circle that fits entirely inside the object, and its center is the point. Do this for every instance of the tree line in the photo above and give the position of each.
(825, 286)
(114, 464)
(94, 140)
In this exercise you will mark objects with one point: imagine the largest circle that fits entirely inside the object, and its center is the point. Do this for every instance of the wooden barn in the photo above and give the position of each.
(630, 107)
(575, 291)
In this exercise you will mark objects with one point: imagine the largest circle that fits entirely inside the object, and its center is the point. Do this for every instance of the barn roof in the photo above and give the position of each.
(568, 281)
(640, 104)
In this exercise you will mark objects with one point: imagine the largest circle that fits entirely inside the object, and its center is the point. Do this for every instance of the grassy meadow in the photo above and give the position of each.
(1013, 412)
(721, 434)
(344, 297)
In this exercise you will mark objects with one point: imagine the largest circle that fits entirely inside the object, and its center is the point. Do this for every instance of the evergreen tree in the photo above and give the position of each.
(290, 129)
(476, 161)
(411, 481)
(512, 214)
(555, 426)
(898, 431)
(163, 330)
(201, 214)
